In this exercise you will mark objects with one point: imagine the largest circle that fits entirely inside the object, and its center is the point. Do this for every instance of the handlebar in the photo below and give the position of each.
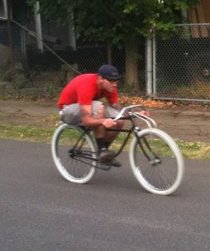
(126, 109)
(150, 122)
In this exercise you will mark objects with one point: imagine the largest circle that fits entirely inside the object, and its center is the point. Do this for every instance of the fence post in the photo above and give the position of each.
(149, 67)
(154, 66)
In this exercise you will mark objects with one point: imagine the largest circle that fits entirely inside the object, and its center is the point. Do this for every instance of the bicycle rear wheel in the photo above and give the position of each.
(156, 161)
(73, 153)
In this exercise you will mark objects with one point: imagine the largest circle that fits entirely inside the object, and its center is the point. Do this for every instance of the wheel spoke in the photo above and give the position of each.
(76, 152)
(156, 161)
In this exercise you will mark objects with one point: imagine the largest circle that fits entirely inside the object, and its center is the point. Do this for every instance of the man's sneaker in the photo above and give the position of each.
(106, 155)
(115, 163)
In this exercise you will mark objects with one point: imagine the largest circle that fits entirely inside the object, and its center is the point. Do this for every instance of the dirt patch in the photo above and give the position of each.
(190, 123)
(27, 113)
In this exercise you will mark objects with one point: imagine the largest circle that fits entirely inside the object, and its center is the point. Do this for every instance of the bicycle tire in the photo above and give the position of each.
(156, 161)
(76, 165)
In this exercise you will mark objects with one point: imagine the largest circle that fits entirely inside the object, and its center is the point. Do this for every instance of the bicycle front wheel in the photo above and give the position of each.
(156, 161)
(74, 153)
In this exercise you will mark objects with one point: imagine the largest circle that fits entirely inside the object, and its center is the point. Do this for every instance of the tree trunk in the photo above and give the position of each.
(131, 65)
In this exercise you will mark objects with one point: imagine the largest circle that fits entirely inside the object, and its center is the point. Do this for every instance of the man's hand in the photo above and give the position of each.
(144, 113)
(108, 123)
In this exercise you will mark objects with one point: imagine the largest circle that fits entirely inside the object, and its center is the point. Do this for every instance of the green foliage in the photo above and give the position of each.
(16, 75)
(116, 21)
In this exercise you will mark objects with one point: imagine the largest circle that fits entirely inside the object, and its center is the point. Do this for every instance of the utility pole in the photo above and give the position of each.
(38, 25)
(9, 33)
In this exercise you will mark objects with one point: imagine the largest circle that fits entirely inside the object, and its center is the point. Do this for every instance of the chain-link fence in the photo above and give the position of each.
(181, 64)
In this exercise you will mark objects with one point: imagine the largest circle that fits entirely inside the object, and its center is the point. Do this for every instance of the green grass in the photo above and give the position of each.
(26, 133)
(190, 150)
(194, 150)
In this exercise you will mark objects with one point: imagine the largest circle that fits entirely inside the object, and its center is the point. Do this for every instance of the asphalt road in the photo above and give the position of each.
(41, 211)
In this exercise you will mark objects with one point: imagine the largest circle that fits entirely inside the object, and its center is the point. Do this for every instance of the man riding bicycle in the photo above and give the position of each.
(79, 104)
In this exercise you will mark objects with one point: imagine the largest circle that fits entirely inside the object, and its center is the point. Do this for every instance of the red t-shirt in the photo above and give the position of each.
(83, 90)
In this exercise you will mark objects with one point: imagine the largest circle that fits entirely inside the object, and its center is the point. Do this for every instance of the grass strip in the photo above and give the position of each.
(190, 150)
(26, 133)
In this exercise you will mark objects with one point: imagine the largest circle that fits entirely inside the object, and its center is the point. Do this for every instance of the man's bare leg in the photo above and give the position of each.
(104, 138)
(110, 136)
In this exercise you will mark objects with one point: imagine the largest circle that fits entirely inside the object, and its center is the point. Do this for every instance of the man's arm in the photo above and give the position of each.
(88, 120)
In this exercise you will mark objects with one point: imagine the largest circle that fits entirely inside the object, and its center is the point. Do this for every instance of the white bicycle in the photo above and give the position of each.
(155, 158)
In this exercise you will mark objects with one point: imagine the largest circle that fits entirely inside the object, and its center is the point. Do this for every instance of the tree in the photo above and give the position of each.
(119, 22)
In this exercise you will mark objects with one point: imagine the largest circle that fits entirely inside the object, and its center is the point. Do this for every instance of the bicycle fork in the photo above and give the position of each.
(153, 159)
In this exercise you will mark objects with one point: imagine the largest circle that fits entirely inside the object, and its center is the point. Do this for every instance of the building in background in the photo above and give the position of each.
(30, 31)
(200, 14)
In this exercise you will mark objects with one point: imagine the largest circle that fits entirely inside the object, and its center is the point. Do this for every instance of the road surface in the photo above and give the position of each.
(41, 211)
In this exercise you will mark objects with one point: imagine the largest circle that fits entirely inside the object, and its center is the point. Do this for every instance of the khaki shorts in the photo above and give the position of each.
(71, 114)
